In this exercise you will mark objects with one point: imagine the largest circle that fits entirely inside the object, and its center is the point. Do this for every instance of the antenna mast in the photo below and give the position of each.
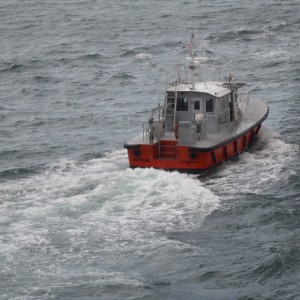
(192, 65)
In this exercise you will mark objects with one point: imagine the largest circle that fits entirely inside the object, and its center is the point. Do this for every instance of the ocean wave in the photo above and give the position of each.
(12, 67)
(143, 56)
(133, 51)
(170, 43)
(276, 26)
(45, 79)
(277, 54)
(92, 56)
(91, 155)
(5, 153)
(18, 173)
(270, 64)
(164, 16)
(104, 189)
(19, 66)
(245, 31)
(138, 233)
(280, 262)
(266, 164)
(154, 48)
(222, 36)
(242, 34)
(98, 210)
(67, 58)
(281, 215)
(123, 76)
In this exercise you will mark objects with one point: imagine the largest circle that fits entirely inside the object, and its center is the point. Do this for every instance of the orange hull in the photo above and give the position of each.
(186, 158)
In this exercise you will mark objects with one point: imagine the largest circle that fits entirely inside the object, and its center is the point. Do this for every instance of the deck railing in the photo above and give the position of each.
(243, 100)
(153, 129)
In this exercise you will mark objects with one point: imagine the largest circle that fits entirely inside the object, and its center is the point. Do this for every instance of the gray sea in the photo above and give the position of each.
(77, 79)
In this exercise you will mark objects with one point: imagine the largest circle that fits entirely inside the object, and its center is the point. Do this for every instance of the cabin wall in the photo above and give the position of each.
(223, 112)
(196, 105)
(236, 107)
(215, 109)
(211, 109)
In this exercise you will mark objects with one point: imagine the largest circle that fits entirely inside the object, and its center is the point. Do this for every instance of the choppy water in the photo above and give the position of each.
(77, 80)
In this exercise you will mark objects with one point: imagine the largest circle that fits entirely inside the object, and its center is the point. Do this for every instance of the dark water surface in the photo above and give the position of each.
(77, 79)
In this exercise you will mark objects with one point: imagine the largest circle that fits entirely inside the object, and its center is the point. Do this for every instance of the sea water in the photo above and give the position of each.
(77, 80)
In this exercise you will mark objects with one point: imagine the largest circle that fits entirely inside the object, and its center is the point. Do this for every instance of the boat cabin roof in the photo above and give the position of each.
(211, 88)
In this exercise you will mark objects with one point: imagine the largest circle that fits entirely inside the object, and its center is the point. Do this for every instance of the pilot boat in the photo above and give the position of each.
(200, 124)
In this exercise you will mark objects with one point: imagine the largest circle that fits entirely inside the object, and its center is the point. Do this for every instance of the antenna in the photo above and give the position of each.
(195, 60)
(192, 65)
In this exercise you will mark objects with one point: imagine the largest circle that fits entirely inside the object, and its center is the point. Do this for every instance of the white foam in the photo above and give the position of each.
(101, 199)
(143, 56)
(278, 54)
(102, 211)
(266, 165)
(157, 199)
(123, 209)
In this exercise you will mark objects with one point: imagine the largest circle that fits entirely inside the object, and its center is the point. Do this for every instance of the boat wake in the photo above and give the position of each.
(100, 205)
(266, 164)
(101, 212)
(106, 189)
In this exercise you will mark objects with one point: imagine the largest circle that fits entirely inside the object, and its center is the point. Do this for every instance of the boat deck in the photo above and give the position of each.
(255, 113)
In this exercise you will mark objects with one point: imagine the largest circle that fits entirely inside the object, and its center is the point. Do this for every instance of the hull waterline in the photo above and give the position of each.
(189, 159)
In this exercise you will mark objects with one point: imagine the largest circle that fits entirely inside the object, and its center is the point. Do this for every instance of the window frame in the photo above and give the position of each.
(199, 105)
(212, 105)
(182, 104)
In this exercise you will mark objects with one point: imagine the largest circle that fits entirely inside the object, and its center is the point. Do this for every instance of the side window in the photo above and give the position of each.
(182, 104)
(197, 105)
(209, 105)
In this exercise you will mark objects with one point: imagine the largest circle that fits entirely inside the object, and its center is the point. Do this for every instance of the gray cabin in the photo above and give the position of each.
(207, 108)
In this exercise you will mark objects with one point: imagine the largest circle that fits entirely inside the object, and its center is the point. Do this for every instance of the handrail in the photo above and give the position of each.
(153, 131)
(153, 128)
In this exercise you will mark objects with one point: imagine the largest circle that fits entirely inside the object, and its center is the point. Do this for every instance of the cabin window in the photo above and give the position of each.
(197, 105)
(209, 105)
(182, 104)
